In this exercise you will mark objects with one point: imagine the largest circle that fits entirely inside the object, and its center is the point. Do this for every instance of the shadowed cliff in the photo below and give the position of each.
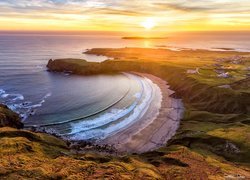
(9, 118)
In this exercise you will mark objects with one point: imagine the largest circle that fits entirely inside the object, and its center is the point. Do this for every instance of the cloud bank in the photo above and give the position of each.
(124, 15)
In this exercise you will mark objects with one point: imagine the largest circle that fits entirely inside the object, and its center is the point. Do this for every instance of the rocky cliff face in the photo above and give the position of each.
(81, 67)
(9, 118)
(76, 66)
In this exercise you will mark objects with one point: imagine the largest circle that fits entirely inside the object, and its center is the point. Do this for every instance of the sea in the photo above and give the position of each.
(91, 107)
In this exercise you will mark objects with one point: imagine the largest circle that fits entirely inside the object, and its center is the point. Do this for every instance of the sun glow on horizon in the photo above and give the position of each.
(148, 24)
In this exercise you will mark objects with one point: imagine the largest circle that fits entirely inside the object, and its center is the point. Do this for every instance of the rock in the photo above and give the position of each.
(224, 75)
(66, 65)
(9, 118)
(219, 71)
(193, 71)
(217, 65)
(231, 148)
(233, 59)
(225, 86)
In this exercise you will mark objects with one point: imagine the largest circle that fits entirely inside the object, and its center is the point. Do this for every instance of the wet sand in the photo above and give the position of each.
(156, 126)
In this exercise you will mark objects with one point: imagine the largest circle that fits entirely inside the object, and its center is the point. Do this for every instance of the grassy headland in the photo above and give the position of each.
(212, 141)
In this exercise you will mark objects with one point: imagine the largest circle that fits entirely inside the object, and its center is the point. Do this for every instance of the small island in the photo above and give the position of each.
(142, 38)
(224, 48)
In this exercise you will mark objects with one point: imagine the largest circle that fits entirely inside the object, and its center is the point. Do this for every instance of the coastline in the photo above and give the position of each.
(162, 120)
(157, 124)
(212, 140)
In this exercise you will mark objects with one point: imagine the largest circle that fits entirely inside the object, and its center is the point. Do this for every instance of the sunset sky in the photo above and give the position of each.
(125, 15)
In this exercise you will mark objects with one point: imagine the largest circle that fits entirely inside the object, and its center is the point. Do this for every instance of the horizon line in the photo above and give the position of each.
(96, 32)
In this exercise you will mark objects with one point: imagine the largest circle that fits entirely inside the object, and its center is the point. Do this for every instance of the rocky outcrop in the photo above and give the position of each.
(9, 118)
(75, 66)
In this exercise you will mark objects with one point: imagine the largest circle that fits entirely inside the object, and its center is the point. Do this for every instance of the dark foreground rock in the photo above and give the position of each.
(9, 118)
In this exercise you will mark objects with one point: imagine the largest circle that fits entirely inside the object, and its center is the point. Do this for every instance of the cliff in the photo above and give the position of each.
(76, 66)
(9, 118)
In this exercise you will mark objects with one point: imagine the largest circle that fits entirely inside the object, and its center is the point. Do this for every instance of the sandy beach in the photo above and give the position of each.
(156, 126)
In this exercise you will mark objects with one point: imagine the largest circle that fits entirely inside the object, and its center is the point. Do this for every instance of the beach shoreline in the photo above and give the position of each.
(156, 126)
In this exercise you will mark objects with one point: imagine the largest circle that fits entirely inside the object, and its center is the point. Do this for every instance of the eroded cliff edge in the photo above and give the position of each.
(9, 118)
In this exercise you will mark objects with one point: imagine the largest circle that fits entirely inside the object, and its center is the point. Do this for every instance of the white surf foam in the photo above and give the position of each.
(2, 91)
(17, 104)
(31, 108)
(138, 111)
(108, 117)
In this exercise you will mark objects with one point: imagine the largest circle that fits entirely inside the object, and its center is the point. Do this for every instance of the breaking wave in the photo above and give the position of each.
(116, 120)
(17, 103)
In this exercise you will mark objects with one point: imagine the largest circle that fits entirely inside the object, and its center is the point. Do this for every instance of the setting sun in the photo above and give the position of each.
(148, 24)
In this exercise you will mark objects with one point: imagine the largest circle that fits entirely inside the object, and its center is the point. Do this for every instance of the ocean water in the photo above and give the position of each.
(84, 107)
